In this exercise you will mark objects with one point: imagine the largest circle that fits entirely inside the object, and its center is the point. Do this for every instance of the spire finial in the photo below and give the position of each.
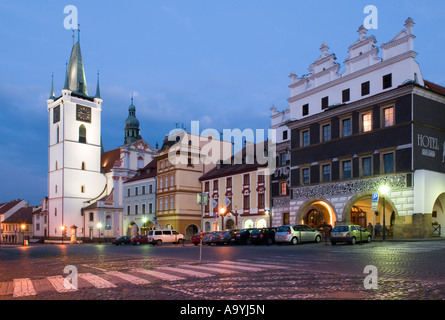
(67, 85)
(73, 37)
(51, 94)
(78, 32)
(97, 88)
(132, 98)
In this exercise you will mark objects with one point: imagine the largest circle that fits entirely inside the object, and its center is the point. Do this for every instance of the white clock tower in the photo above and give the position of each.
(74, 152)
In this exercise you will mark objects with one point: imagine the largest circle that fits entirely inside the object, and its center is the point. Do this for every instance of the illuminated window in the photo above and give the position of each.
(388, 117)
(283, 188)
(367, 122)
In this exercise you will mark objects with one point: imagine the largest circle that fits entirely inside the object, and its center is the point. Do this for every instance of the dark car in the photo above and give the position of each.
(141, 239)
(208, 237)
(122, 240)
(223, 237)
(241, 236)
(263, 236)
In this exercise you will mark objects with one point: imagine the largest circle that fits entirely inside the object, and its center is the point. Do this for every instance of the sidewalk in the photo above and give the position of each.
(391, 239)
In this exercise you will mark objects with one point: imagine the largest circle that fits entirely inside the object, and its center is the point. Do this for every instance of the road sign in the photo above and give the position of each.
(375, 201)
(202, 199)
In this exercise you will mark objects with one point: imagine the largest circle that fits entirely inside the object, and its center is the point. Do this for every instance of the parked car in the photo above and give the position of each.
(164, 236)
(140, 239)
(296, 234)
(351, 234)
(196, 238)
(208, 238)
(241, 236)
(122, 240)
(263, 236)
(223, 237)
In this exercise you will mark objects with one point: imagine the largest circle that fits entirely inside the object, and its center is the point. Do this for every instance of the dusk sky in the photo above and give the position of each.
(222, 63)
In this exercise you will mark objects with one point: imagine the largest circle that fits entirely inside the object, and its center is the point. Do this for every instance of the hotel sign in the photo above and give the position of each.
(429, 149)
(429, 145)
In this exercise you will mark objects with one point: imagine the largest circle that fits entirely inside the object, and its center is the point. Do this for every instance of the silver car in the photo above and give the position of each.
(297, 233)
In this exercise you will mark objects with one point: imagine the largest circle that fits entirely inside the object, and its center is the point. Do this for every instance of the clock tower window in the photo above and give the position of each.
(82, 134)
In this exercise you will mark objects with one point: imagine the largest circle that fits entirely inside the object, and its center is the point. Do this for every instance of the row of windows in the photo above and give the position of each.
(163, 204)
(163, 182)
(246, 203)
(82, 134)
(143, 190)
(246, 182)
(346, 167)
(366, 124)
(346, 94)
(142, 207)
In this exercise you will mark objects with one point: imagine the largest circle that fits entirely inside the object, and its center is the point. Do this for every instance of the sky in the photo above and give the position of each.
(223, 63)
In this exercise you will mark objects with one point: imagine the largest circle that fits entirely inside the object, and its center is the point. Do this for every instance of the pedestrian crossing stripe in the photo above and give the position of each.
(128, 277)
(212, 269)
(96, 281)
(157, 274)
(188, 272)
(60, 284)
(24, 287)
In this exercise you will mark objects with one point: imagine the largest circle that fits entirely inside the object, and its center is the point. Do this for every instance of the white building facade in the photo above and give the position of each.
(376, 123)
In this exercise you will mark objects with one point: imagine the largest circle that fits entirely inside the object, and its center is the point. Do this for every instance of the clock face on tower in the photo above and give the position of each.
(83, 113)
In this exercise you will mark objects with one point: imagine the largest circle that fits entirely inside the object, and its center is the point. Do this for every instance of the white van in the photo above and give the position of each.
(162, 236)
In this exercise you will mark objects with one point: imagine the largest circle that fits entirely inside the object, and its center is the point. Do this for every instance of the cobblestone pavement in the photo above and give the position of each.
(406, 271)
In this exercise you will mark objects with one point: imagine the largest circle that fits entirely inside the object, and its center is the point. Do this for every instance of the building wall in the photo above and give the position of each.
(217, 200)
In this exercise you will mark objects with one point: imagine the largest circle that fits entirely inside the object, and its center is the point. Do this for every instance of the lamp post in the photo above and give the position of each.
(62, 228)
(384, 190)
(144, 221)
(267, 211)
(223, 212)
(99, 225)
(23, 226)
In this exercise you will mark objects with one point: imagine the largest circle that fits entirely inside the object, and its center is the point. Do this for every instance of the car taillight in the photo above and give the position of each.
(288, 232)
(347, 234)
(261, 235)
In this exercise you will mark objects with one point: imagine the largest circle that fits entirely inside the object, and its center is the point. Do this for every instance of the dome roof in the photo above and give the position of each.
(132, 121)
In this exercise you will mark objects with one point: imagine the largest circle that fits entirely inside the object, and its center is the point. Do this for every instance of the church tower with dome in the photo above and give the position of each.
(132, 125)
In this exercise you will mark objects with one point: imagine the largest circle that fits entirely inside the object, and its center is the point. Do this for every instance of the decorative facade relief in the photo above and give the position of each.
(397, 181)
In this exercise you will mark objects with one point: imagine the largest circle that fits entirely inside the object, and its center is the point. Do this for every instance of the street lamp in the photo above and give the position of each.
(62, 228)
(99, 225)
(223, 212)
(267, 212)
(384, 190)
(23, 226)
(144, 221)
